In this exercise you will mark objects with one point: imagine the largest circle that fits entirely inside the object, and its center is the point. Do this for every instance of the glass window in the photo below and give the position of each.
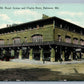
(75, 40)
(16, 40)
(81, 41)
(68, 39)
(37, 38)
(59, 38)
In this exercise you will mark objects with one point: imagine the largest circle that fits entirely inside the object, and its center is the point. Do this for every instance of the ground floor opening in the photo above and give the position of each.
(51, 53)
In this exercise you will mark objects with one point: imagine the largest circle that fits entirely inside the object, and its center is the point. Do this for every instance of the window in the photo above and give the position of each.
(37, 38)
(68, 39)
(59, 38)
(75, 40)
(81, 41)
(16, 40)
(1, 42)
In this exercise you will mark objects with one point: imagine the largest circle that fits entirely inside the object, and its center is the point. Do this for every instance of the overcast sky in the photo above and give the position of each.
(9, 14)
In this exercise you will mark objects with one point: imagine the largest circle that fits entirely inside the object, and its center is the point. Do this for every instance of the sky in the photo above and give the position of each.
(18, 13)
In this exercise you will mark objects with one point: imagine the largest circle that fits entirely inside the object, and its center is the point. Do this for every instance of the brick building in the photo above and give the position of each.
(49, 38)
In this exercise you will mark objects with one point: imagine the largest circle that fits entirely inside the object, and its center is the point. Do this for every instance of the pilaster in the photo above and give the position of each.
(20, 54)
(71, 55)
(52, 55)
(31, 54)
(41, 54)
(12, 53)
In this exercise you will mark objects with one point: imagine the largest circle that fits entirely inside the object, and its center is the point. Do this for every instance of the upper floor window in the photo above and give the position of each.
(16, 40)
(59, 38)
(75, 40)
(81, 41)
(1, 42)
(37, 38)
(68, 39)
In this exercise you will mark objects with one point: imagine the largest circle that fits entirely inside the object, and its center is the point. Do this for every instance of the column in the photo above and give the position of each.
(41, 54)
(52, 55)
(20, 54)
(82, 54)
(71, 55)
(12, 53)
(31, 54)
(4, 52)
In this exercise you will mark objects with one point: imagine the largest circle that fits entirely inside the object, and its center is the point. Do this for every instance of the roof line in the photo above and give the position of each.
(54, 17)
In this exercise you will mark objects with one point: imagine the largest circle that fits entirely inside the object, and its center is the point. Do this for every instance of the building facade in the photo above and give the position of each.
(51, 39)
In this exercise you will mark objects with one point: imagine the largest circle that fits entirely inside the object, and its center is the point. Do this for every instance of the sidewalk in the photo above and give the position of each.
(46, 62)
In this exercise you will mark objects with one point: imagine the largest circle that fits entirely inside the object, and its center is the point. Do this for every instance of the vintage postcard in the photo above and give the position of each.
(41, 41)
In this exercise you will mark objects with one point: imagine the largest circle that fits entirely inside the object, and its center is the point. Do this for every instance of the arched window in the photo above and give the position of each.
(81, 41)
(68, 39)
(1, 42)
(59, 38)
(75, 40)
(16, 40)
(37, 38)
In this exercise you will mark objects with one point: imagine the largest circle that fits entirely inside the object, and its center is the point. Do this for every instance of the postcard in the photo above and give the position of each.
(42, 41)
